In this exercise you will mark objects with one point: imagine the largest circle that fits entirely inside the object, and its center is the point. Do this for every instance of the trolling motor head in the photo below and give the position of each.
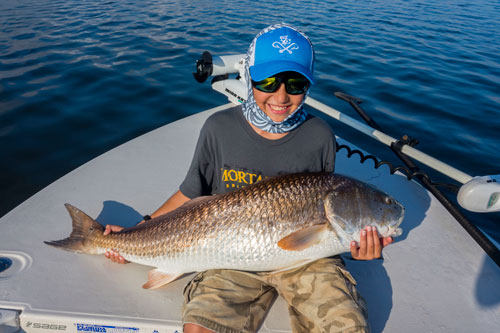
(204, 67)
(481, 194)
(220, 67)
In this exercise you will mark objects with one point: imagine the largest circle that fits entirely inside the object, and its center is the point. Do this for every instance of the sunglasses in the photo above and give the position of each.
(295, 84)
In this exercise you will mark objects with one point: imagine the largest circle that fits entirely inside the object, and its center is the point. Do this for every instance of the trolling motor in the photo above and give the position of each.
(220, 67)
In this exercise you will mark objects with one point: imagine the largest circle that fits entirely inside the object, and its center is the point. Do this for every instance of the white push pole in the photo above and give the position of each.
(430, 161)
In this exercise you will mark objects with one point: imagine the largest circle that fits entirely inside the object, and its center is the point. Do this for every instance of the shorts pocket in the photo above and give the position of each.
(347, 275)
(351, 283)
(191, 286)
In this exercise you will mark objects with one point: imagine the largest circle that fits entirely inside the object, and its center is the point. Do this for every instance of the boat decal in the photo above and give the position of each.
(105, 328)
(45, 326)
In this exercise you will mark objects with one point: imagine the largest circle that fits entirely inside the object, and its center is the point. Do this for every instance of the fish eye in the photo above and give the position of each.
(388, 201)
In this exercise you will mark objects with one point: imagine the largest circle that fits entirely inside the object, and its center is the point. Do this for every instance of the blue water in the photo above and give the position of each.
(80, 77)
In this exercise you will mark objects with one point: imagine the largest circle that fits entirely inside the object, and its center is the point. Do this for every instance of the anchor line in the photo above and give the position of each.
(393, 169)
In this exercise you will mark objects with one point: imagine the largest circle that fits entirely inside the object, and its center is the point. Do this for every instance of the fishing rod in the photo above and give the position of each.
(397, 147)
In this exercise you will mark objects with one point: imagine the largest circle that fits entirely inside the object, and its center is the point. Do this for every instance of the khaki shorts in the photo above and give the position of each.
(321, 297)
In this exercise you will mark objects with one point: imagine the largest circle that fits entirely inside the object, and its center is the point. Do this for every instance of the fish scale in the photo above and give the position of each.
(277, 223)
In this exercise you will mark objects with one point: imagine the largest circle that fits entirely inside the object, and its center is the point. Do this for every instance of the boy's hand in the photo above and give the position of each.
(112, 254)
(370, 245)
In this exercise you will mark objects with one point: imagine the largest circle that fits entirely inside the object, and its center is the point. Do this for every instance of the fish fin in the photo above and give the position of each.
(304, 238)
(158, 278)
(298, 264)
(83, 227)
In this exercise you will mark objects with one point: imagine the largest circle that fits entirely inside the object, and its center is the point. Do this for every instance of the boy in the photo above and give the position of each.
(268, 135)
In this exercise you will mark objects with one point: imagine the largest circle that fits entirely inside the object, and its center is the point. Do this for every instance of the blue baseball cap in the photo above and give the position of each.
(281, 50)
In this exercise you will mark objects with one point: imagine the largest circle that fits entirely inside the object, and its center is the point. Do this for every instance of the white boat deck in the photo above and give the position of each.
(434, 278)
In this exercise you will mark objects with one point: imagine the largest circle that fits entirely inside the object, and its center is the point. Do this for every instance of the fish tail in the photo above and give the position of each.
(84, 229)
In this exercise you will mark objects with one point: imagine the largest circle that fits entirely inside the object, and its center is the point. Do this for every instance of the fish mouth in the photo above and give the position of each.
(394, 230)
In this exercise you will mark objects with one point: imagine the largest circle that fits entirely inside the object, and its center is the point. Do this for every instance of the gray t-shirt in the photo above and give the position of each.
(230, 154)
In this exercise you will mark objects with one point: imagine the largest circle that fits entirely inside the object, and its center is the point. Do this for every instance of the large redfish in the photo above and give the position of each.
(273, 225)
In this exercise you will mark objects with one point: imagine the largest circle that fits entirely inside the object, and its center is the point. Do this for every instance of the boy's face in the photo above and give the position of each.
(277, 105)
